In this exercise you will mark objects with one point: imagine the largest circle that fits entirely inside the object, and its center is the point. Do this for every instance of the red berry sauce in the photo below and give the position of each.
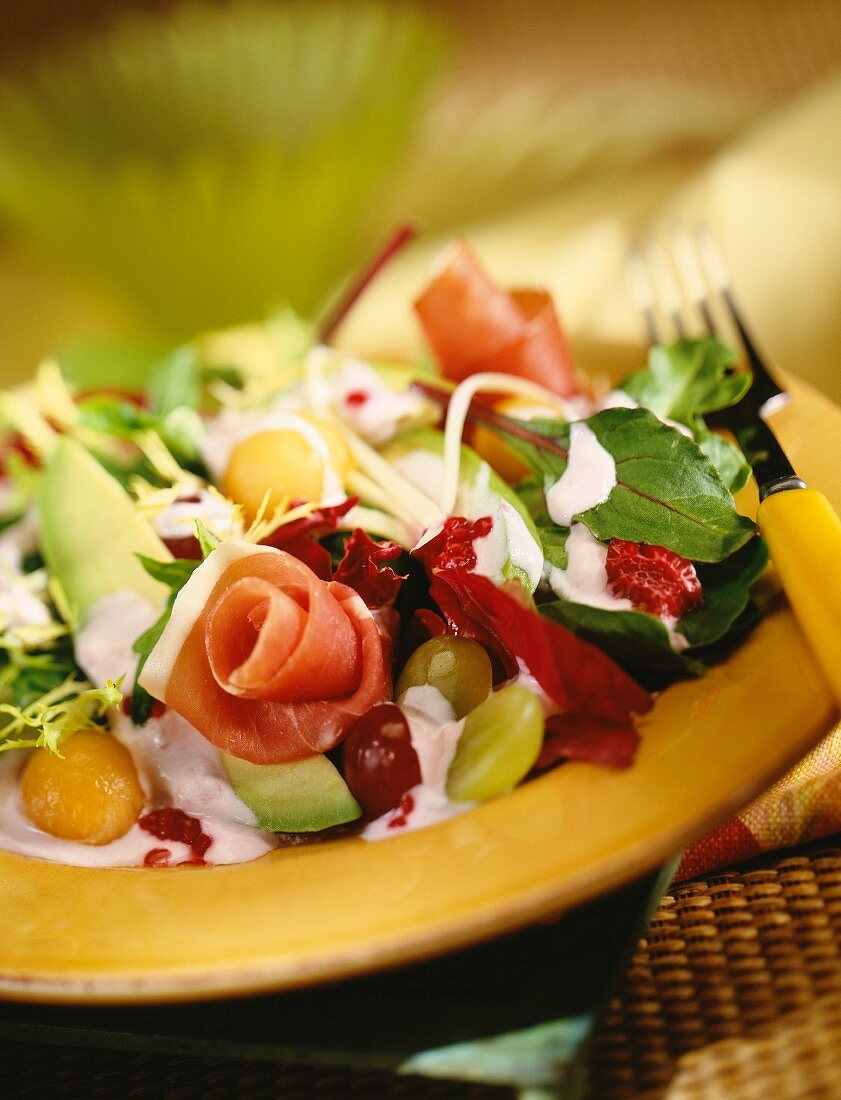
(174, 825)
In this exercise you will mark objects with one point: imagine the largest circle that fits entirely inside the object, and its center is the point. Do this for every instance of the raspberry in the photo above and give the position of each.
(653, 578)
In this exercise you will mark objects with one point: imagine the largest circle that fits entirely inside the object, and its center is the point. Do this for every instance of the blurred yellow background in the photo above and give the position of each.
(169, 166)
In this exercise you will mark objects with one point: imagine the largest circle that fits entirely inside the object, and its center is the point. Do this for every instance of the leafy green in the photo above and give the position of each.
(542, 444)
(175, 383)
(110, 364)
(180, 428)
(639, 641)
(552, 537)
(9, 521)
(67, 708)
(728, 458)
(26, 675)
(688, 379)
(175, 575)
(726, 592)
(206, 539)
(633, 639)
(667, 491)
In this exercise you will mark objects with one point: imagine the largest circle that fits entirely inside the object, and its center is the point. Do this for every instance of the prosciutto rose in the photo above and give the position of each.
(269, 662)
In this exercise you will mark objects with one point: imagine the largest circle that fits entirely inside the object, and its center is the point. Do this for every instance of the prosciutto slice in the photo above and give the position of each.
(473, 325)
(267, 661)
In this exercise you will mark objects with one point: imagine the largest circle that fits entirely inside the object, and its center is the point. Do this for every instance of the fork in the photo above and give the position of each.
(688, 289)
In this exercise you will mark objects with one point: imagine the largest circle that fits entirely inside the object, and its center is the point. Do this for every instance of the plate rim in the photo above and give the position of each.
(491, 918)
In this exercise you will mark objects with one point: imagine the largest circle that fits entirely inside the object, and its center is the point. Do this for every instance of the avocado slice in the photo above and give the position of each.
(480, 487)
(91, 532)
(304, 796)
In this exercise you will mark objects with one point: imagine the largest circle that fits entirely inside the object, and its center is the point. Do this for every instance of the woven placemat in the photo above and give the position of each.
(735, 991)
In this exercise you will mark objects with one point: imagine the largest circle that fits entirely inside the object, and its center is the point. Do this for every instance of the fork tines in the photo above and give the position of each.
(683, 289)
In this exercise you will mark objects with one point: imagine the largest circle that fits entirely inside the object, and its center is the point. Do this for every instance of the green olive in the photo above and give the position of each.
(459, 668)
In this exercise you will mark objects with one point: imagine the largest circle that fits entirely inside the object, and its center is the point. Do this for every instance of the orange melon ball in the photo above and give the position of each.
(92, 795)
(285, 462)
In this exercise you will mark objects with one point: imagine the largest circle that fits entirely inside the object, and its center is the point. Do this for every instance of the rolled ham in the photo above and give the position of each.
(267, 661)
(473, 325)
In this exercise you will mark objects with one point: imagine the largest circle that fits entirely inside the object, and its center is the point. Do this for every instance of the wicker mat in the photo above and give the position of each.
(734, 994)
(735, 991)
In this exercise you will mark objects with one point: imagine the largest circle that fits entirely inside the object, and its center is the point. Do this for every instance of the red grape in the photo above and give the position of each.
(380, 764)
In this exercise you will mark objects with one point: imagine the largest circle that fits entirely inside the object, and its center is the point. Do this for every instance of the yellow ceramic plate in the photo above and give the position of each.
(336, 909)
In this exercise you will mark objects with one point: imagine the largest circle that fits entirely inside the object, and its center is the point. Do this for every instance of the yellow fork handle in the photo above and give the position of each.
(803, 533)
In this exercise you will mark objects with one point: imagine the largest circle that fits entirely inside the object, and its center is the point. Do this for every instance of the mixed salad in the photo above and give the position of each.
(286, 593)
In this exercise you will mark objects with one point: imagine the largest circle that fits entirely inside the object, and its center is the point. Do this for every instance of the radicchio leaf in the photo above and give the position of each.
(362, 568)
(590, 738)
(576, 675)
(300, 538)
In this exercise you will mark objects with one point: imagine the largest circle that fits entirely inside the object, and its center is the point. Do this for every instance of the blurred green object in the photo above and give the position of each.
(220, 160)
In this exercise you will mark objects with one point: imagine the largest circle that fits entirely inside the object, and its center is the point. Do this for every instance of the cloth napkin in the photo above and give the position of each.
(804, 805)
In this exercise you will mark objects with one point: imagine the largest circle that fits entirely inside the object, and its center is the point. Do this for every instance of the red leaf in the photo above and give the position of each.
(402, 236)
(575, 674)
(452, 547)
(361, 568)
(300, 538)
(587, 737)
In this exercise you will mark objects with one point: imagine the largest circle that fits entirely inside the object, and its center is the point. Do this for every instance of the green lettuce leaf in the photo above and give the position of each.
(552, 537)
(175, 383)
(726, 587)
(180, 428)
(688, 379)
(175, 574)
(633, 639)
(728, 458)
(639, 641)
(667, 491)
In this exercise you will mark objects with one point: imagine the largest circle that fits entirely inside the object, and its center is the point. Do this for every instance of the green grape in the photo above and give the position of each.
(501, 740)
(458, 668)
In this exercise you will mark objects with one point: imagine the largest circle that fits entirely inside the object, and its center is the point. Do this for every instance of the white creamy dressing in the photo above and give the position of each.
(585, 579)
(509, 539)
(177, 766)
(362, 400)
(103, 645)
(435, 734)
(22, 602)
(178, 520)
(232, 426)
(587, 481)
